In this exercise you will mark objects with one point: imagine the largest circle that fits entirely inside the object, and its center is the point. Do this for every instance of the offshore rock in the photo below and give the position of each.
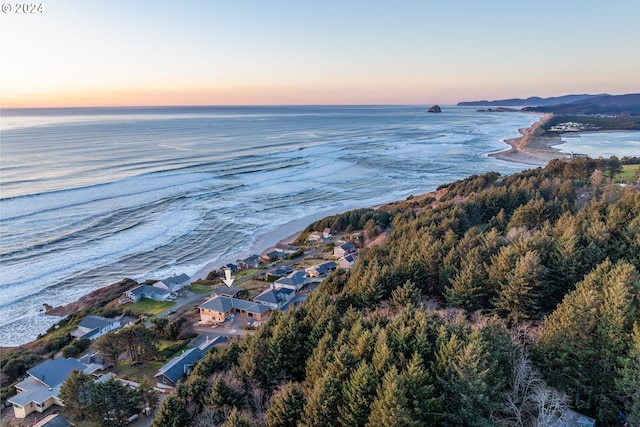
(435, 109)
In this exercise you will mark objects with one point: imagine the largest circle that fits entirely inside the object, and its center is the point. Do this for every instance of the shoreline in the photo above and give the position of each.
(520, 152)
(531, 148)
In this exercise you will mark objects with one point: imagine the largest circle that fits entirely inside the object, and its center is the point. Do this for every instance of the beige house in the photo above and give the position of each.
(39, 391)
(219, 308)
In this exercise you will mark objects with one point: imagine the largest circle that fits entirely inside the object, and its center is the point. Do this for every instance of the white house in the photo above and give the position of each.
(92, 327)
(146, 291)
(277, 299)
(173, 283)
(294, 280)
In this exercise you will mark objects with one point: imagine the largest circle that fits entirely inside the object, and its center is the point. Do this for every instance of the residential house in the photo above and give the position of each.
(178, 368)
(39, 391)
(277, 299)
(219, 308)
(294, 280)
(146, 291)
(173, 283)
(273, 256)
(348, 260)
(53, 420)
(278, 272)
(326, 233)
(251, 262)
(315, 236)
(344, 249)
(92, 327)
(286, 248)
(321, 270)
(230, 266)
(228, 291)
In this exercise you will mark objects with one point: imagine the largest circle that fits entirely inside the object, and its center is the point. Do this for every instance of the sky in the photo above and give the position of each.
(276, 52)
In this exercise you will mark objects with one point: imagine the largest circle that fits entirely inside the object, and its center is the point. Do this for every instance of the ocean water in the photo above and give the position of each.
(602, 144)
(90, 196)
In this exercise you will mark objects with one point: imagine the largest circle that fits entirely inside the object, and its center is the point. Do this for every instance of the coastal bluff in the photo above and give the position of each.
(106, 293)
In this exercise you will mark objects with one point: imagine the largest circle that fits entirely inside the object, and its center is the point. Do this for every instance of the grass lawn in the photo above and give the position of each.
(141, 370)
(253, 287)
(149, 306)
(306, 263)
(244, 273)
(200, 288)
(628, 173)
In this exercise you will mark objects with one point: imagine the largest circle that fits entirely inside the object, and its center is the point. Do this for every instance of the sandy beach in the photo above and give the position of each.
(532, 148)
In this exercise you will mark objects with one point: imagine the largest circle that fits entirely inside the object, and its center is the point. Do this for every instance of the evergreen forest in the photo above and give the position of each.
(494, 301)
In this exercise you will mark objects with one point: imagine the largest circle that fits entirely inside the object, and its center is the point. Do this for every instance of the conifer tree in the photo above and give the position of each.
(628, 379)
(390, 408)
(321, 409)
(286, 406)
(358, 393)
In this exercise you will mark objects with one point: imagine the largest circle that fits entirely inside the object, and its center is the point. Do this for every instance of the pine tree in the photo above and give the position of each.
(628, 379)
(286, 406)
(172, 413)
(517, 297)
(235, 419)
(75, 392)
(321, 409)
(390, 408)
(358, 393)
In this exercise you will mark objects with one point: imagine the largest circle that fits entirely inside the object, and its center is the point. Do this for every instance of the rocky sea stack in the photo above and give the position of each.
(435, 109)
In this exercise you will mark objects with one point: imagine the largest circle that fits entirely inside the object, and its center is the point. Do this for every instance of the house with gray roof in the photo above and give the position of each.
(53, 420)
(219, 308)
(178, 368)
(344, 249)
(92, 327)
(286, 248)
(277, 272)
(39, 391)
(321, 270)
(348, 260)
(173, 283)
(228, 291)
(251, 262)
(277, 299)
(294, 280)
(146, 291)
(273, 256)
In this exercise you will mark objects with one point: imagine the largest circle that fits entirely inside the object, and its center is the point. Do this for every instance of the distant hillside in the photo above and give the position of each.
(604, 104)
(533, 101)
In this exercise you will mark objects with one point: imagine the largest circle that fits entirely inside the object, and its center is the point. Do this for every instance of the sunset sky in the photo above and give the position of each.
(240, 52)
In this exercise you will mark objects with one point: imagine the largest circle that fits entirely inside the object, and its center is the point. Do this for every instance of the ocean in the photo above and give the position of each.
(90, 196)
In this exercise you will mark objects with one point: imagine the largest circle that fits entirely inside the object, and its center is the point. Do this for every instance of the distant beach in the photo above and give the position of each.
(531, 148)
